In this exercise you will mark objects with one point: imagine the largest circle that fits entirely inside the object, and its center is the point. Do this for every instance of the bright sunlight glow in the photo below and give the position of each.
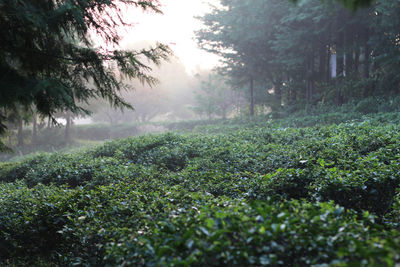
(175, 27)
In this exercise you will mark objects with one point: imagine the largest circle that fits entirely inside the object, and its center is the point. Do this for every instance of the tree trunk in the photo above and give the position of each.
(339, 72)
(366, 63)
(278, 92)
(9, 133)
(340, 64)
(34, 131)
(350, 64)
(312, 75)
(356, 62)
(251, 96)
(366, 58)
(9, 139)
(20, 137)
(293, 96)
(328, 65)
(68, 128)
(340, 67)
(309, 67)
(322, 63)
(306, 85)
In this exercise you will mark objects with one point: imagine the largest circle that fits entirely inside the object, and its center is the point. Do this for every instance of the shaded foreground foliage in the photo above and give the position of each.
(254, 193)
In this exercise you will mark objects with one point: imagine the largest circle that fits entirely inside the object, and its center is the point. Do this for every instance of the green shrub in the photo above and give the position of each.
(262, 192)
(368, 105)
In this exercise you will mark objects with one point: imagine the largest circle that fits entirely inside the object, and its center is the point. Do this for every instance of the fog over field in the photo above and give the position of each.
(200, 133)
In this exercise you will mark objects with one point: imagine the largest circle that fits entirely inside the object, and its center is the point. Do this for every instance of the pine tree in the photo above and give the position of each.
(47, 57)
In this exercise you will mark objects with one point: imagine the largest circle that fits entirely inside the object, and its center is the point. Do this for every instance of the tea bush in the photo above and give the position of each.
(233, 194)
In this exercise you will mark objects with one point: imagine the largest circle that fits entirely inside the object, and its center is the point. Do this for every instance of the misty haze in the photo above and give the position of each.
(200, 133)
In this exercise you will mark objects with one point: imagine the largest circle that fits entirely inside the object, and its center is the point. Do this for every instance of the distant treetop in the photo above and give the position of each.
(351, 4)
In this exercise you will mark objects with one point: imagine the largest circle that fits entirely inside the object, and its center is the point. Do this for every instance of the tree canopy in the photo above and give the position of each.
(352, 4)
(48, 59)
(311, 53)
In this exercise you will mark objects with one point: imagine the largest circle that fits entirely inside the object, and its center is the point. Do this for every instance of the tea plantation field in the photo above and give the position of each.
(322, 190)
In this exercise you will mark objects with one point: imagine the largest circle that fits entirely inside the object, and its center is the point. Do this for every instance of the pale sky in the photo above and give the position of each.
(175, 27)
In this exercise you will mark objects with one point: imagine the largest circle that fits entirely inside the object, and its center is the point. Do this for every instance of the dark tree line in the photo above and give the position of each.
(308, 53)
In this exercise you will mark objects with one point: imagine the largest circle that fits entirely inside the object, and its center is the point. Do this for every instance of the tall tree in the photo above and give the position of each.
(241, 32)
(47, 57)
(308, 53)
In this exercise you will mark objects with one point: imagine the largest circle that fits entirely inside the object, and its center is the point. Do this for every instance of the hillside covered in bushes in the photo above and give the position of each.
(312, 190)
